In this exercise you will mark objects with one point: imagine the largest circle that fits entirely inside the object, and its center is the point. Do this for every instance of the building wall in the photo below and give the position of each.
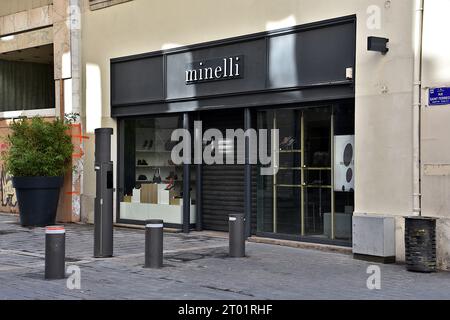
(36, 23)
(383, 83)
(12, 6)
(436, 124)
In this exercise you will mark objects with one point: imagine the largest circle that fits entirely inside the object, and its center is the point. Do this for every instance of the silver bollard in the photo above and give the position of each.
(237, 235)
(154, 231)
(55, 253)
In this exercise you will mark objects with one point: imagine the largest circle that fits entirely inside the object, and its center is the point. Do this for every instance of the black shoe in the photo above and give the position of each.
(150, 145)
(145, 144)
(144, 163)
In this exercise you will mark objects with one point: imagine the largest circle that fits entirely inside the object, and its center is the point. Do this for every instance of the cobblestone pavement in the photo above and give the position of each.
(197, 267)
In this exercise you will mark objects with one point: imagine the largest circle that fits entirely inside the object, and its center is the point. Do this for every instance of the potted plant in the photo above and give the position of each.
(39, 153)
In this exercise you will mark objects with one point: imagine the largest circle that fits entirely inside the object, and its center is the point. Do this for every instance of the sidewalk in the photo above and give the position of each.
(197, 267)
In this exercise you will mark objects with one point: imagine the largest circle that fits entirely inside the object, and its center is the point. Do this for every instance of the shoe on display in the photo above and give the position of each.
(150, 145)
(145, 144)
(142, 178)
(144, 163)
(171, 185)
(287, 143)
(139, 163)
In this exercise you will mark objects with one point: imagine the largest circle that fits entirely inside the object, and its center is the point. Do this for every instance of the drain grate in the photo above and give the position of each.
(186, 257)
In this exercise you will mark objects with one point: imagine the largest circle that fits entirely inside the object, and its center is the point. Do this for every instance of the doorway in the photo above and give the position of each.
(300, 200)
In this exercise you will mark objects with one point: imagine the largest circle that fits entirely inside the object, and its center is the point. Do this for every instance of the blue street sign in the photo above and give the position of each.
(439, 96)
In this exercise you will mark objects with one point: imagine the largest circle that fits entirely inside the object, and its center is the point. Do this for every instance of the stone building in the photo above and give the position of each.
(307, 70)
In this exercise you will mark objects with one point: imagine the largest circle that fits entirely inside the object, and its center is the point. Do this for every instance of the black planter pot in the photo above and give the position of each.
(420, 244)
(38, 199)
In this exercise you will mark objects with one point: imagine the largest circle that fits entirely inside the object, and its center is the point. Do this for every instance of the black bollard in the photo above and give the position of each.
(154, 230)
(237, 235)
(103, 211)
(55, 253)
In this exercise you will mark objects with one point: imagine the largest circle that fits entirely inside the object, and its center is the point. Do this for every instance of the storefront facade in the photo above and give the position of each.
(297, 80)
(299, 66)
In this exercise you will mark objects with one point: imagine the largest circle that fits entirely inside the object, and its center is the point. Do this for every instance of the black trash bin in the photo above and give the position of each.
(420, 244)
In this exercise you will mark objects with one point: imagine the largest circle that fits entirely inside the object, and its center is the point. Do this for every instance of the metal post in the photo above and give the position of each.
(237, 235)
(199, 199)
(55, 253)
(103, 217)
(248, 175)
(186, 185)
(333, 199)
(199, 187)
(154, 244)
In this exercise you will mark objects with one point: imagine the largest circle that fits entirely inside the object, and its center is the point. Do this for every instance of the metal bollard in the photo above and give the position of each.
(154, 230)
(237, 235)
(103, 210)
(55, 253)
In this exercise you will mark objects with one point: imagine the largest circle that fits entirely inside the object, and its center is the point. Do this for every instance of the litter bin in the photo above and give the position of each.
(420, 244)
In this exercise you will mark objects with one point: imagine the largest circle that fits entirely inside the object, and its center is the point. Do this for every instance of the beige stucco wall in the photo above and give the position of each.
(436, 124)
(383, 83)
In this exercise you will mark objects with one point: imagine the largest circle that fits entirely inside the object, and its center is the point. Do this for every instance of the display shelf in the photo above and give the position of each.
(162, 182)
(157, 167)
(153, 151)
(168, 213)
(290, 151)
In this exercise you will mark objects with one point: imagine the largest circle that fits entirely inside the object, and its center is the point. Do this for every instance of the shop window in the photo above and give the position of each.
(152, 183)
(26, 83)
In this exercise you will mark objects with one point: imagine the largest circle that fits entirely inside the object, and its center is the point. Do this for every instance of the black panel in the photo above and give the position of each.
(299, 64)
(263, 98)
(311, 57)
(137, 81)
(254, 53)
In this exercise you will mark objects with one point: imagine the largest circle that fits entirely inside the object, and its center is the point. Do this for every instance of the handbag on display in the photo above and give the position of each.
(157, 176)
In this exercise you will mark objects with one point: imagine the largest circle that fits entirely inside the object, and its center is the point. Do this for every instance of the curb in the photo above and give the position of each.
(302, 245)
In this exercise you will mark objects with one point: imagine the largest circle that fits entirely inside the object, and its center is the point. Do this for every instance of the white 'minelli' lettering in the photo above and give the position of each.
(230, 68)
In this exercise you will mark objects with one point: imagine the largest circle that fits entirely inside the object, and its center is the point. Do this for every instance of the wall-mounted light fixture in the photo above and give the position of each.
(377, 44)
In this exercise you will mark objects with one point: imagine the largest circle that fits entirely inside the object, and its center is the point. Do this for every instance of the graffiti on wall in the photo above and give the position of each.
(7, 192)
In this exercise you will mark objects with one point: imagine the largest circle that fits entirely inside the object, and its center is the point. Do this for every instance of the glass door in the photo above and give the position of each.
(299, 199)
(317, 172)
